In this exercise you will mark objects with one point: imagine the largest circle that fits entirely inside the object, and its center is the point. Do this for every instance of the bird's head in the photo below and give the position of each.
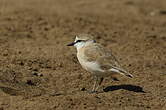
(81, 40)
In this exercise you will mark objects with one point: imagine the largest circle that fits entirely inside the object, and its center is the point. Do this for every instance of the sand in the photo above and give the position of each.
(39, 72)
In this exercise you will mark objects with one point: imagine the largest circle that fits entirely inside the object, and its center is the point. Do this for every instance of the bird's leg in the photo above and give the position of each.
(101, 80)
(95, 82)
(99, 83)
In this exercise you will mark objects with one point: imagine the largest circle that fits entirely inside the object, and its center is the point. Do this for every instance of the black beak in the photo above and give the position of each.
(71, 44)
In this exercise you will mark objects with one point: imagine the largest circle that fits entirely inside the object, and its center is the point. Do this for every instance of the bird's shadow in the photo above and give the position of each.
(125, 87)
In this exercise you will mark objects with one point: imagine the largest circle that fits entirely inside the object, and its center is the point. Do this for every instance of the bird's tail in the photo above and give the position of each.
(121, 71)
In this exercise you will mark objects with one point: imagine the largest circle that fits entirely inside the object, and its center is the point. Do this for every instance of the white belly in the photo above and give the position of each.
(90, 66)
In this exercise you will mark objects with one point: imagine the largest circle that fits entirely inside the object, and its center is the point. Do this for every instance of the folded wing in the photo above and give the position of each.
(106, 60)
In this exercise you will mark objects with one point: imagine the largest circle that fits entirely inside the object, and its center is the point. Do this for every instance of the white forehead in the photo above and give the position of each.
(76, 38)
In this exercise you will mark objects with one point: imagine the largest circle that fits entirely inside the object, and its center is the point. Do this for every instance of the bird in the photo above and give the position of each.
(96, 59)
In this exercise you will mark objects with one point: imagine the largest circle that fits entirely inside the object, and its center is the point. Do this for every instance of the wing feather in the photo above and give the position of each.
(96, 52)
(107, 61)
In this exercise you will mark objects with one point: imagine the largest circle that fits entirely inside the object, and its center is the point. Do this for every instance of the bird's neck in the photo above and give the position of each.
(82, 45)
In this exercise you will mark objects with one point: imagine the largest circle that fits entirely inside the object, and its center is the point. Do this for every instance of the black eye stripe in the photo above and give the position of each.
(79, 40)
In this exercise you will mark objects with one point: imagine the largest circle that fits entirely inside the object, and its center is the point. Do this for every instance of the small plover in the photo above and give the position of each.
(94, 58)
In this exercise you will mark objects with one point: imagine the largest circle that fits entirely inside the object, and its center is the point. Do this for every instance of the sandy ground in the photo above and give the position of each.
(39, 72)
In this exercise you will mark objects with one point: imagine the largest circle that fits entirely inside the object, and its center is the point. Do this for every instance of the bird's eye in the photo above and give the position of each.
(79, 40)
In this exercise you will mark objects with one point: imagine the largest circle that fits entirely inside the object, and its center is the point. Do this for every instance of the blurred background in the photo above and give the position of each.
(39, 72)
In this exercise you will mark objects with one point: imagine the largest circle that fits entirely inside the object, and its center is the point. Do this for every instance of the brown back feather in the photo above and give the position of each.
(96, 52)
